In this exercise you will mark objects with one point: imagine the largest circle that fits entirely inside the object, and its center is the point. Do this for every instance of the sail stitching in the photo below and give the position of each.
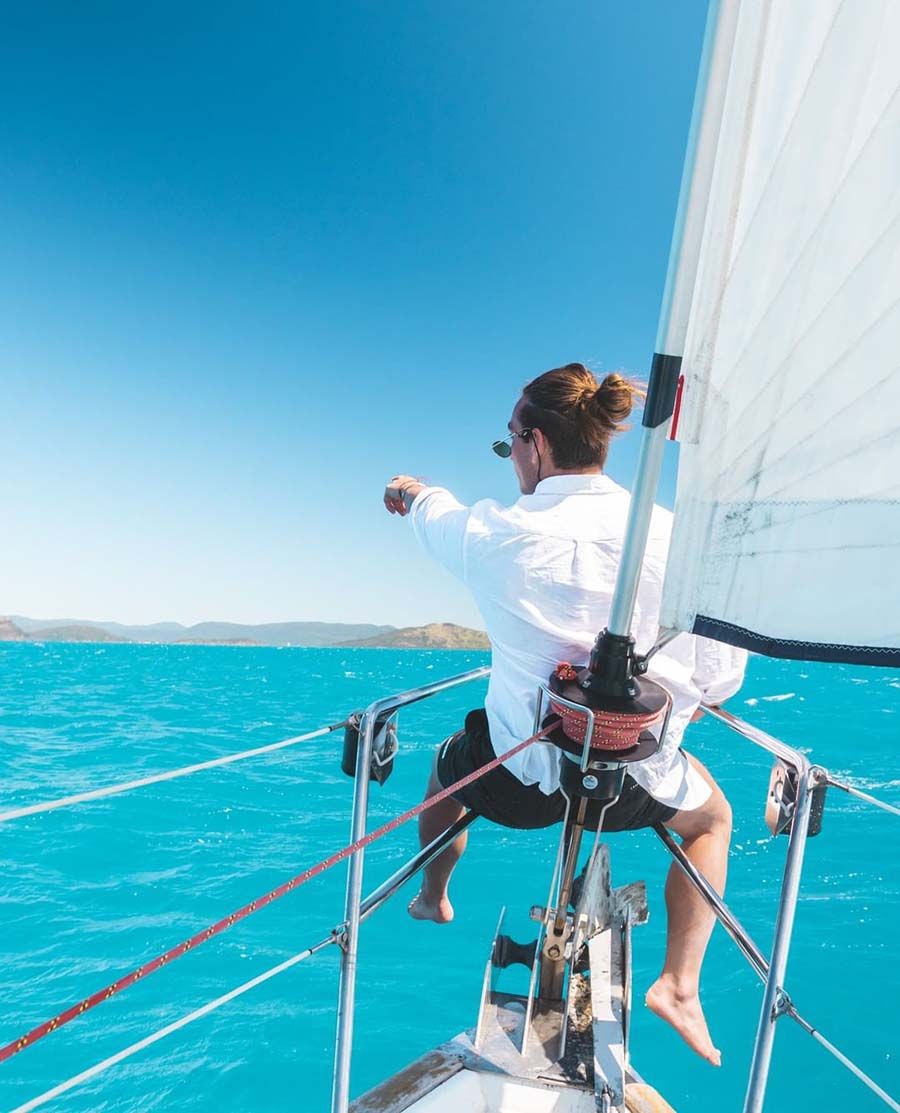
(738, 366)
(834, 367)
(712, 325)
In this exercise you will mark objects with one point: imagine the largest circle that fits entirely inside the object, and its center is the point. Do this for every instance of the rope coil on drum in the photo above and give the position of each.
(58, 1021)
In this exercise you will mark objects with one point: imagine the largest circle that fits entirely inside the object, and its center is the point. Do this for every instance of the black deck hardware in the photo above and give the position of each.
(507, 952)
(383, 751)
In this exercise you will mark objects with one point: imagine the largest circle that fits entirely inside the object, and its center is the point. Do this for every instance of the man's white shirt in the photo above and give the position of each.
(542, 573)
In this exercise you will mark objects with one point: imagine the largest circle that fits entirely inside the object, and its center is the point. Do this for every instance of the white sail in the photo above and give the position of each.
(787, 519)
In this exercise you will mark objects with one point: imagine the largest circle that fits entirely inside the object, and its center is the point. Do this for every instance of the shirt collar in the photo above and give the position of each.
(574, 483)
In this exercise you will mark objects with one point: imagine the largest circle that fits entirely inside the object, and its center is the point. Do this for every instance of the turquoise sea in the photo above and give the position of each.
(88, 893)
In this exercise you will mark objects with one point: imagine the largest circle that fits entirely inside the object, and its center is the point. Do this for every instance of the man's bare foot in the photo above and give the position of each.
(684, 1013)
(438, 911)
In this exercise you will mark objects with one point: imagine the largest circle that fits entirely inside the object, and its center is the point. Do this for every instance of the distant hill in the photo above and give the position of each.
(436, 635)
(75, 632)
(10, 632)
(216, 641)
(156, 632)
(283, 633)
(312, 634)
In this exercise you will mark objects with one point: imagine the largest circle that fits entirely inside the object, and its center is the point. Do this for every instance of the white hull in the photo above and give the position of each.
(441, 1081)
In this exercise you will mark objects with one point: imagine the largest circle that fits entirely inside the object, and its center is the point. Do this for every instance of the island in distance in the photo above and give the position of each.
(436, 635)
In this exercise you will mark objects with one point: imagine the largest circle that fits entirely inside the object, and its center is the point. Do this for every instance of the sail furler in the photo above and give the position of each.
(787, 518)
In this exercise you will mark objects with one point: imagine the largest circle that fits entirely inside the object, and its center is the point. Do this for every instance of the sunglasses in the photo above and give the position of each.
(504, 448)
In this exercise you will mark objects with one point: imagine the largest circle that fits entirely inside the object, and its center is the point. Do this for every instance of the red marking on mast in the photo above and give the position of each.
(676, 412)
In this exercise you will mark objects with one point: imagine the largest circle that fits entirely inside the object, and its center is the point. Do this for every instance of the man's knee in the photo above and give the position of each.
(712, 817)
(721, 815)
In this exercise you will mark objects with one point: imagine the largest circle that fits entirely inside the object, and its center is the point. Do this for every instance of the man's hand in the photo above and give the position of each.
(400, 492)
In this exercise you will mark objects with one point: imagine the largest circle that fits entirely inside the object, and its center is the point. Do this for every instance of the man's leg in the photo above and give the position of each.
(432, 901)
(705, 834)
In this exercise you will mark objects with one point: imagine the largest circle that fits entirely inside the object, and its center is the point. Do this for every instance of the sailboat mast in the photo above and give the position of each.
(684, 255)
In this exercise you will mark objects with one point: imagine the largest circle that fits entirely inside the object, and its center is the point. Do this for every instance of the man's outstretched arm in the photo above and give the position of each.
(438, 519)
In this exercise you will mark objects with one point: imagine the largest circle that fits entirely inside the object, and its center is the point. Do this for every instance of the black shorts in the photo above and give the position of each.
(502, 798)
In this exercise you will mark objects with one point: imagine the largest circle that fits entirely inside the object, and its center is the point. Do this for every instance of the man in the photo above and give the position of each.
(542, 572)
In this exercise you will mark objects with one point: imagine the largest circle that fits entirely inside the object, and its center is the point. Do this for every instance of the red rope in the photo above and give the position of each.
(612, 730)
(254, 906)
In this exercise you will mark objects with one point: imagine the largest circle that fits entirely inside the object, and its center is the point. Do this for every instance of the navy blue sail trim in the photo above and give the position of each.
(718, 630)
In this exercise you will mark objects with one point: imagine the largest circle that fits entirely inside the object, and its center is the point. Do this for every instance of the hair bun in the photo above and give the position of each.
(576, 415)
(614, 398)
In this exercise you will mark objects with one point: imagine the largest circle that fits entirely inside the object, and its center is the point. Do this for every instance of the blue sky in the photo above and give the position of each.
(258, 258)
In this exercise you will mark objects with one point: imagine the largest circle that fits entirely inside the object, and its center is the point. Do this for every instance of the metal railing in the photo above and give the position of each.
(379, 710)
(776, 1001)
(771, 971)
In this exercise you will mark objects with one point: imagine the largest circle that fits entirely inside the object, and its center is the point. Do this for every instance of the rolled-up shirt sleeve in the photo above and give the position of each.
(440, 522)
(719, 671)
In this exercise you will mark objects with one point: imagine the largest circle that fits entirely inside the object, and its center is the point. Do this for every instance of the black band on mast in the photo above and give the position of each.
(665, 372)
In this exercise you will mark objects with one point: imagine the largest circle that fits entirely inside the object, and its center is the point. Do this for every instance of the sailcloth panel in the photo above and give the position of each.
(787, 517)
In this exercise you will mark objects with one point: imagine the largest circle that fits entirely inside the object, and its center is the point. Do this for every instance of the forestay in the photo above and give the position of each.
(787, 520)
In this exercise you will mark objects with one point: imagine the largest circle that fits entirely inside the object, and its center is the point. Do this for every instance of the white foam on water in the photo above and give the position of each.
(774, 699)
